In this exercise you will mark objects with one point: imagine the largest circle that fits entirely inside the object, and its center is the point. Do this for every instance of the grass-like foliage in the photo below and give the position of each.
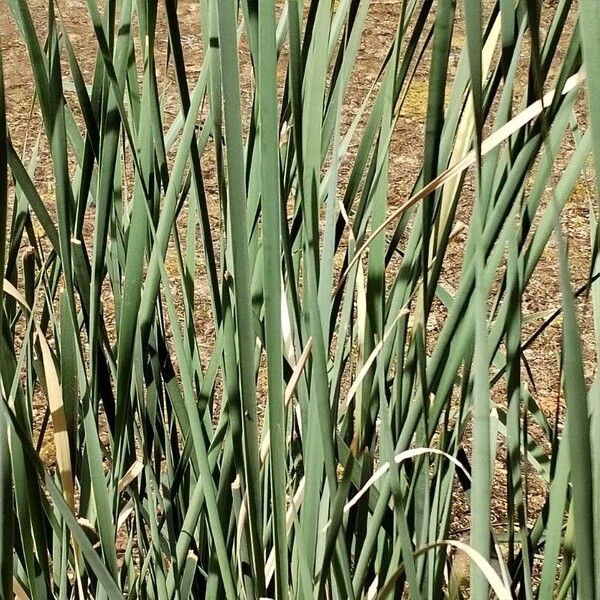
(272, 386)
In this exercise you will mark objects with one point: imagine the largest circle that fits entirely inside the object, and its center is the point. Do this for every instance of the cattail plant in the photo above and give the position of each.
(269, 335)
